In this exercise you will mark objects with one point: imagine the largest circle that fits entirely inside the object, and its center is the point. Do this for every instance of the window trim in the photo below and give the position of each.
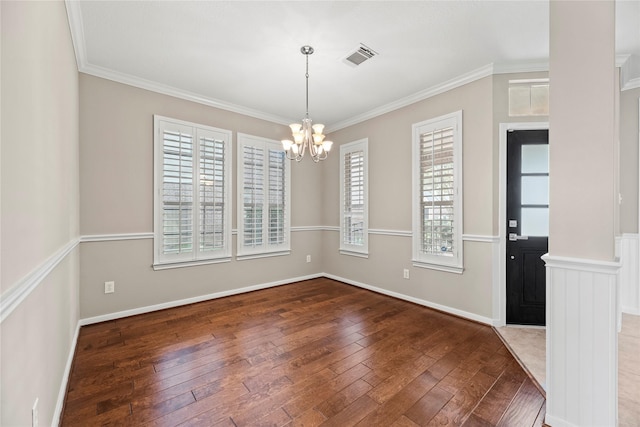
(264, 251)
(361, 251)
(162, 261)
(452, 264)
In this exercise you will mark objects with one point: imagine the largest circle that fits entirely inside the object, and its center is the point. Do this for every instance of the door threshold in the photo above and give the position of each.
(509, 325)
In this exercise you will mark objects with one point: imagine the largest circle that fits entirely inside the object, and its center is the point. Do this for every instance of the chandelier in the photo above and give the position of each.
(307, 136)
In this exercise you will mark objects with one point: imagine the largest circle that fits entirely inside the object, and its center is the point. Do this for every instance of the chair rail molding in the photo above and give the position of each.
(12, 298)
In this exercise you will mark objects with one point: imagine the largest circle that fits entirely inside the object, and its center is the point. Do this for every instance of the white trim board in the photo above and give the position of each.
(115, 237)
(425, 303)
(374, 231)
(15, 295)
(12, 298)
(216, 295)
(149, 235)
(65, 378)
(177, 303)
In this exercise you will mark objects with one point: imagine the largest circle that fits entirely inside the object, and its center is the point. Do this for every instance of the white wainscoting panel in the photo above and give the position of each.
(582, 342)
(629, 255)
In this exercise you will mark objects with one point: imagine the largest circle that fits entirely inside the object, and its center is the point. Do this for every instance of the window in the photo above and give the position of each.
(192, 215)
(263, 198)
(437, 193)
(529, 97)
(354, 203)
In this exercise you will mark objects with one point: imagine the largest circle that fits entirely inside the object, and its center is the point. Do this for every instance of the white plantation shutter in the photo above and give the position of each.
(213, 197)
(192, 206)
(252, 195)
(354, 198)
(437, 193)
(263, 197)
(277, 196)
(177, 191)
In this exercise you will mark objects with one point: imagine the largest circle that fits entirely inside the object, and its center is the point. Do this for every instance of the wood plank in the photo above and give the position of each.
(394, 407)
(311, 353)
(353, 413)
(338, 401)
(428, 406)
(525, 407)
(458, 409)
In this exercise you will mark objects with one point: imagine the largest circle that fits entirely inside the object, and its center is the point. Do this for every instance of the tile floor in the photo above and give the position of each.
(629, 372)
(528, 345)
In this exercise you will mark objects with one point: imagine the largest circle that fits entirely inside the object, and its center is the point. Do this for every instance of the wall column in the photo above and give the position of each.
(581, 268)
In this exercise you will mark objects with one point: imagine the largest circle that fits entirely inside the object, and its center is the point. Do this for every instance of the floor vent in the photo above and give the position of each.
(361, 54)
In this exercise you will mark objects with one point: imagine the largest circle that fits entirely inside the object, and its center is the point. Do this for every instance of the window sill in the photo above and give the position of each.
(440, 267)
(180, 264)
(354, 253)
(262, 255)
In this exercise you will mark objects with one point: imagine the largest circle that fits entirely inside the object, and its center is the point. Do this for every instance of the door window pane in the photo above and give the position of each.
(534, 222)
(535, 158)
(535, 190)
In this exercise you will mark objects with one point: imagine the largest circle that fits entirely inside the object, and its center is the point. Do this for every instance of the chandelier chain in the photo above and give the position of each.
(307, 77)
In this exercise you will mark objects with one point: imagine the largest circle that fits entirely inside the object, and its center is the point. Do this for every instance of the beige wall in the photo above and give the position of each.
(39, 204)
(629, 160)
(390, 202)
(583, 155)
(116, 193)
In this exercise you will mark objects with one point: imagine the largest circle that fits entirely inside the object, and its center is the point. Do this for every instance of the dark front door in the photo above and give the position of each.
(527, 225)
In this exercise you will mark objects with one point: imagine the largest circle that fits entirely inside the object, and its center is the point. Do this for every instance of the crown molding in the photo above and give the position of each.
(631, 84)
(621, 59)
(461, 80)
(76, 26)
(74, 14)
(521, 67)
(179, 93)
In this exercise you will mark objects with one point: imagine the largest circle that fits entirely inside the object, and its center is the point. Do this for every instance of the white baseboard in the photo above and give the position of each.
(444, 308)
(65, 378)
(177, 303)
(556, 422)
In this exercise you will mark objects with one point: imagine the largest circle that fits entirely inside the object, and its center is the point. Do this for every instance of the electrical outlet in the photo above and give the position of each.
(109, 287)
(34, 414)
(405, 273)
(308, 258)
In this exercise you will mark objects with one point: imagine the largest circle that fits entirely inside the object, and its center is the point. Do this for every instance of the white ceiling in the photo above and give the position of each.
(245, 55)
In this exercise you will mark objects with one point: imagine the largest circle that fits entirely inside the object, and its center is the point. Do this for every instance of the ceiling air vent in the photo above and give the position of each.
(361, 54)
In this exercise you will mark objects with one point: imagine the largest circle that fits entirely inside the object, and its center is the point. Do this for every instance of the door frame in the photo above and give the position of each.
(500, 285)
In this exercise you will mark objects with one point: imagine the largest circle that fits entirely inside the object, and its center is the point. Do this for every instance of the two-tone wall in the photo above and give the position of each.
(39, 209)
(76, 203)
(390, 205)
(116, 206)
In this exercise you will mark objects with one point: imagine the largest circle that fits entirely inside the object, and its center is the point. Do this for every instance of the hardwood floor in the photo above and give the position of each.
(318, 352)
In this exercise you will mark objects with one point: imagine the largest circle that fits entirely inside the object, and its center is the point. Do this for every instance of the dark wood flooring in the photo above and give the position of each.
(318, 352)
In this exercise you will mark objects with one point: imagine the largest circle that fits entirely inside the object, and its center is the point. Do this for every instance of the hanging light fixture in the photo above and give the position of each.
(307, 136)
